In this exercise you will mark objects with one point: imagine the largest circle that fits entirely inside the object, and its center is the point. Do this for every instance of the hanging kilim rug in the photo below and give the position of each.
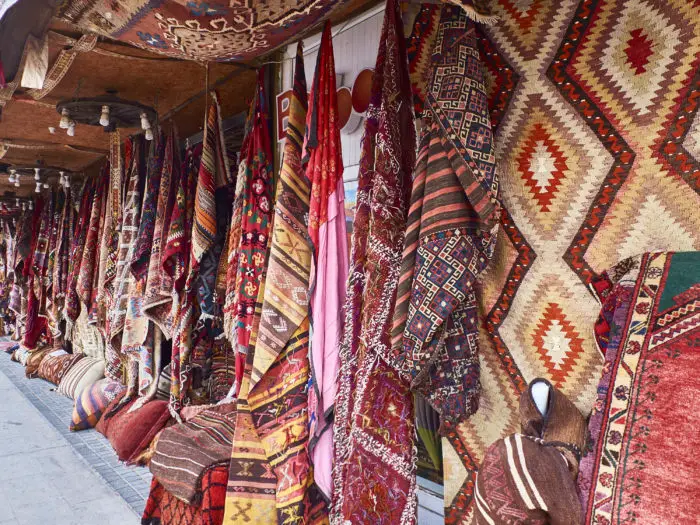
(376, 461)
(595, 106)
(280, 373)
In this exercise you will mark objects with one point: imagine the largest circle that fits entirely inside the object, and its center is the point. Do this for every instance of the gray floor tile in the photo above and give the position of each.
(76, 473)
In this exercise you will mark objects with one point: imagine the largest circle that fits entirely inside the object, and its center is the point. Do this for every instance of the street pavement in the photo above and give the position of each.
(44, 480)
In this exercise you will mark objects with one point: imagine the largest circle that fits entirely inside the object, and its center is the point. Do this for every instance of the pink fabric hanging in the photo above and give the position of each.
(327, 229)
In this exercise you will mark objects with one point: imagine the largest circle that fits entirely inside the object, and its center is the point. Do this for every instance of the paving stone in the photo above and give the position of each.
(76, 473)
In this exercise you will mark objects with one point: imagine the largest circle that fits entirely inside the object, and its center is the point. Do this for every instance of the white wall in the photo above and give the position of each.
(355, 45)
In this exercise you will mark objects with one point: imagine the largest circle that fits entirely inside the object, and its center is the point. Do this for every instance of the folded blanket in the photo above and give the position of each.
(185, 451)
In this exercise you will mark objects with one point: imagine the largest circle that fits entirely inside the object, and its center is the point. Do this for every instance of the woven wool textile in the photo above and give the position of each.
(138, 340)
(251, 483)
(86, 371)
(34, 324)
(377, 458)
(88, 261)
(530, 477)
(646, 407)
(594, 106)
(164, 509)
(158, 297)
(249, 242)
(184, 452)
(81, 231)
(60, 266)
(124, 280)
(176, 249)
(109, 250)
(281, 371)
(213, 171)
(40, 262)
(59, 202)
(248, 471)
(202, 31)
(448, 239)
(144, 238)
(54, 368)
(92, 402)
(93, 314)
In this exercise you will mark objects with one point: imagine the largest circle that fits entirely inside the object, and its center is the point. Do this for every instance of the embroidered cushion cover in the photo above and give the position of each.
(83, 374)
(54, 368)
(92, 401)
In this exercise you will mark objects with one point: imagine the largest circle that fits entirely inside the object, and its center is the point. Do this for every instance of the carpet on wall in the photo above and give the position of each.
(595, 110)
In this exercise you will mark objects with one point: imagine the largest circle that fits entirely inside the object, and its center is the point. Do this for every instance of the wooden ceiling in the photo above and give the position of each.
(175, 88)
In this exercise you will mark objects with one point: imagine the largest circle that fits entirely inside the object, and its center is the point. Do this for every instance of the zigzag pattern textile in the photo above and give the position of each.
(594, 109)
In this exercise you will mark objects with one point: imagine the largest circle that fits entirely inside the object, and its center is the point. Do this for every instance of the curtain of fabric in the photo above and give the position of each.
(323, 164)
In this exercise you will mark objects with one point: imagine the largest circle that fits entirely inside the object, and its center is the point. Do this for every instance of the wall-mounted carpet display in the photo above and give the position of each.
(594, 107)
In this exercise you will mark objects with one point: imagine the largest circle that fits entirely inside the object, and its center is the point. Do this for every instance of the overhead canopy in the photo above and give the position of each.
(209, 30)
(83, 67)
(88, 50)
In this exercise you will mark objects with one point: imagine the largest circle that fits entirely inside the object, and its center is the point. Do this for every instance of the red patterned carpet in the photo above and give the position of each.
(647, 416)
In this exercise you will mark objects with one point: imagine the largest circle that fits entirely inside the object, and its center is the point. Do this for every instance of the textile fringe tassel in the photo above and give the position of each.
(473, 14)
(70, 327)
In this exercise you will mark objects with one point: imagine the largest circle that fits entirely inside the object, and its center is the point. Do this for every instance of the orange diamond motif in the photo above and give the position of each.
(557, 343)
(542, 165)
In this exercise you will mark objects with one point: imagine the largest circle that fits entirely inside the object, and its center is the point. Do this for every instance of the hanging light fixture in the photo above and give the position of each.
(31, 205)
(12, 176)
(108, 111)
(104, 116)
(65, 119)
(71, 128)
(36, 175)
(17, 202)
(38, 188)
(16, 180)
(67, 183)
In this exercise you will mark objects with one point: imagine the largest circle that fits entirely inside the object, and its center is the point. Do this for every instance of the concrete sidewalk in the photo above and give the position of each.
(43, 480)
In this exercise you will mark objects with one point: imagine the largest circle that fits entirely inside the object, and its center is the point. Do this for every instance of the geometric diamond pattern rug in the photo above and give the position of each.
(595, 106)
